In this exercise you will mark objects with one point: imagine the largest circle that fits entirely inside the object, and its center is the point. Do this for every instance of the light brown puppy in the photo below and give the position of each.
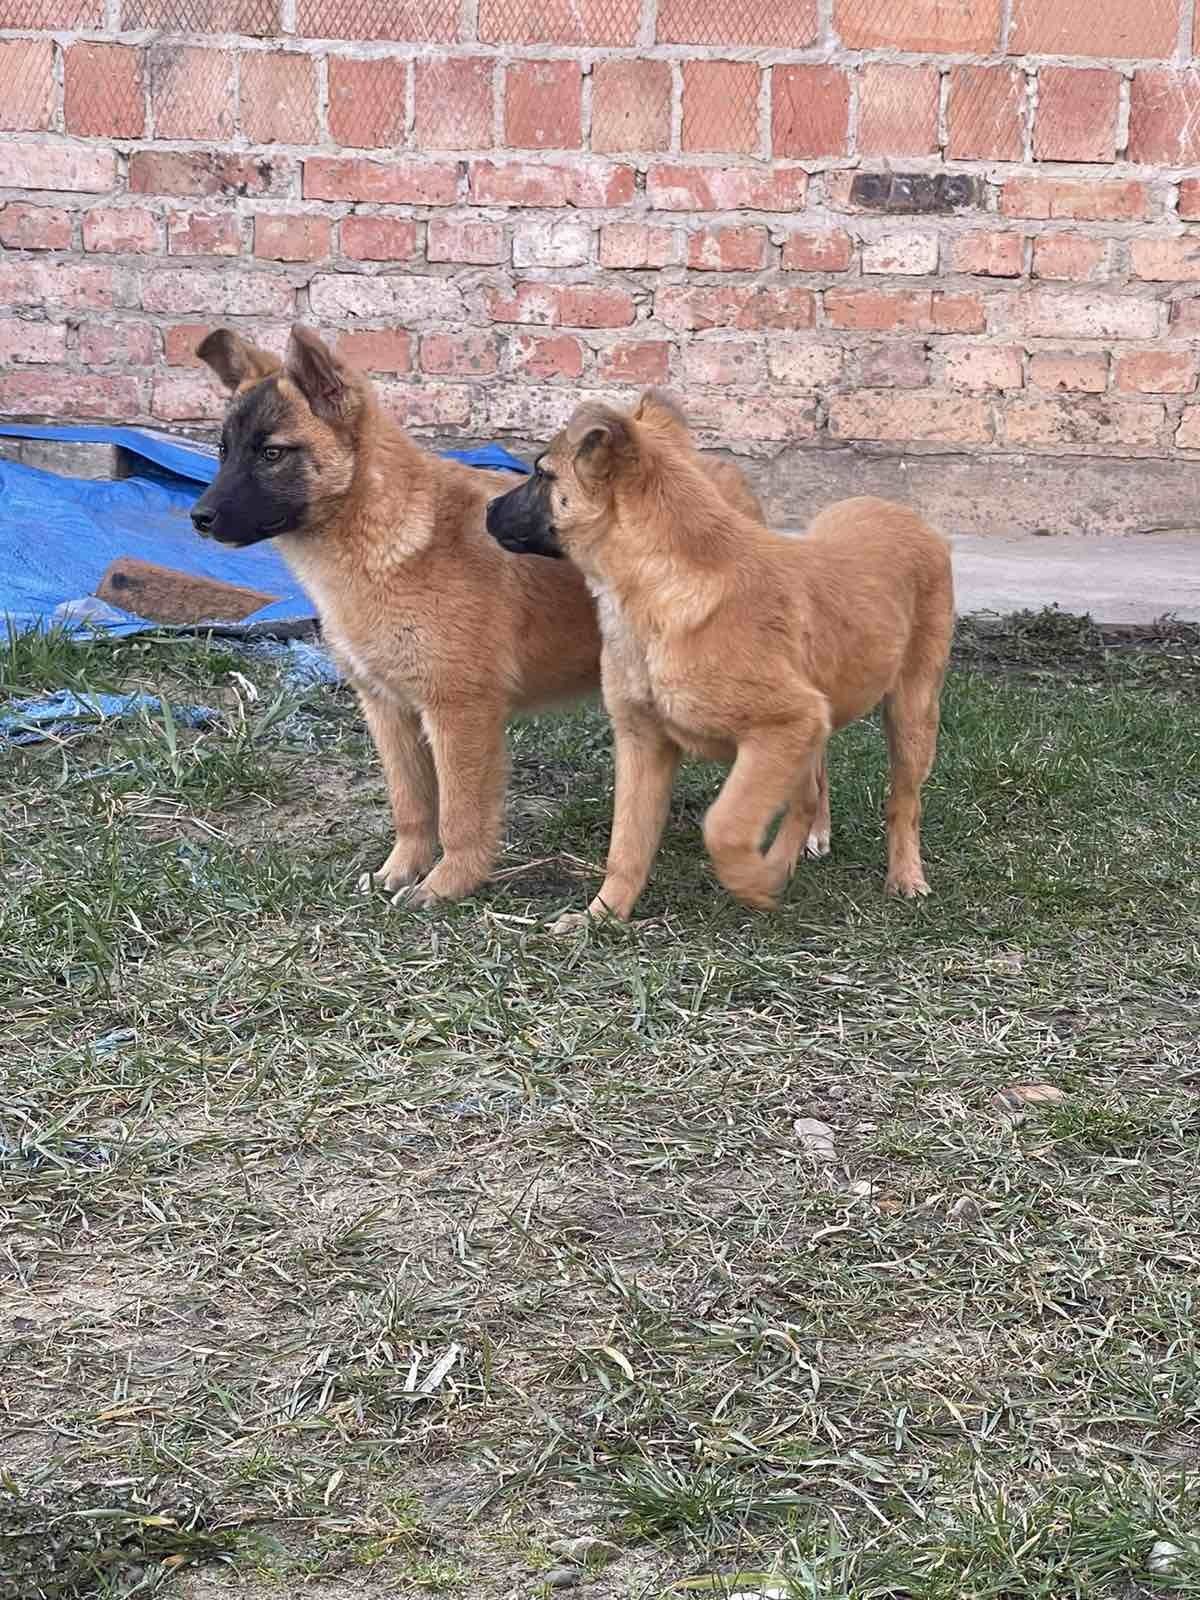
(443, 634)
(738, 644)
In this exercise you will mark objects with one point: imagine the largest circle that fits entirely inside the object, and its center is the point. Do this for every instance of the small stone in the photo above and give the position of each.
(1014, 1100)
(1163, 1556)
(816, 1137)
(562, 1577)
(586, 1551)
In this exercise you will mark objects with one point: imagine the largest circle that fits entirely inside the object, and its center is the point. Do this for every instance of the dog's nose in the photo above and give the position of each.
(203, 520)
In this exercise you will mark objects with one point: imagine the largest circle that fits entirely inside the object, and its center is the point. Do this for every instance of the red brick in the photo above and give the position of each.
(985, 366)
(729, 417)
(133, 344)
(735, 306)
(1079, 373)
(27, 71)
(582, 306)
(382, 350)
(728, 250)
(988, 255)
(203, 233)
(810, 111)
(77, 169)
(69, 394)
(518, 183)
(536, 303)
(366, 102)
(637, 245)
(631, 105)
(674, 188)
(57, 14)
(186, 397)
(877, 310)
(35, 342)
(1042, 313)
(459, 355)
(181, 341)
(399, 183)
(1185, 319)
(1164, 129)
(1187, 435)
(279, 97)
(1084, 28)
(1156, 372)
(254, 18)
(542, 105)
(804, 366)
(924, 25)
(986, 114)
(535, 411)
(636, 361)
(1081, 424)
(191, 91)
(556, 356)
(889, 366)
(427, 405)
(378, 238)
(790, 23)
(724, 361)
(586, 22)
(419, 21)
(203, 174)
(898, 111)
(1076, 114)
(394, 297)
(563, 242)
(1189, 199)
(73, 286)
(917, 415)
(102, 91)
(1167, 260)
(212, 290)
(957, 313)
(453, 101)
(478, 244)
(291, 237)
(1073, 199)
(26, 227)
(902, 253)
(120, 230)
(720, 106)
(1071, 256)
(823, 250)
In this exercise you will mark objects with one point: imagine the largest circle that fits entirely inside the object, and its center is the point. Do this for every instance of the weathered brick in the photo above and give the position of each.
(291, 237)
(366, 101)
(543, 105)
(516, 183)
(26, 227)
(985, 366)
(790, 23)
(203, 233)
(729, 417)
(810, 111)
(878, 310)
(565, 243)
(1083, 372)
(473, 243)
(453, 103)
(804, 366)
(121, 230)
(59, 13)
(536, 303)
(27, 71)
(1057, 314)
(584, 306)
(176, 291)
(459, 355)
(181, 342)
(745, 306)
(636, 361)
(378, 238)
(724, 361)
(427, 405)
(1185, 319)
(1081, 424)
(986, 114)
(1189, 200)
(910, 255)
(186, 397)
(1156, 372)
(914, 415)
(392, 297)
(35, 342)
(586, 22)
(1073, 199)
(631, 105)
(203, 174)
(545, 357)
(921, 25)
(103, 96)
(1072, 256)
(1187, 435)
(735, 249)
(399, 183)
(132, 344)
(906, 193)
(818, 250)
(535, 412)
(956, 313)
(376, 350)
(426, 21)
(1076, 114)
(191, 92)
(75, 169)
(70, 285)
(674, 188)
(279, 97)
(720, 106)
(637, 245)
(1167, 260)
(894, 365)
(1088, 28)
(48, 393)
(988, 255)
(898, 111)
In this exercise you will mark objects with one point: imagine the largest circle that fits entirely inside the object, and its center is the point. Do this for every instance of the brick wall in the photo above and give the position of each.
(910, 225)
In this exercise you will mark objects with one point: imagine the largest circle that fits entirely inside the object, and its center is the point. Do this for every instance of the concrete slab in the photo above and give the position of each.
(1116, 581)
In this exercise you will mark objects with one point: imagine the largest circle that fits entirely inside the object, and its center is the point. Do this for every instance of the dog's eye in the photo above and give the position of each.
(220, 450)
(272, 452)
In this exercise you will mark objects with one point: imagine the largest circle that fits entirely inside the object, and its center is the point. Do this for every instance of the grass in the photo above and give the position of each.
(381, 1253)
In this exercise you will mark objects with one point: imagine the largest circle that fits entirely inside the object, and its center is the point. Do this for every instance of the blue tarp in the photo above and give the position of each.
(58, 534)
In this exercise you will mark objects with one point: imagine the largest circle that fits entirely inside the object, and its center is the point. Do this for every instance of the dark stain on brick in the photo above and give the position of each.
(913, 193)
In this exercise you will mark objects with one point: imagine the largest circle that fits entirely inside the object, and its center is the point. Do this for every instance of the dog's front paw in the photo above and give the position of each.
(907, 885)
(570, 922)
(403, 867)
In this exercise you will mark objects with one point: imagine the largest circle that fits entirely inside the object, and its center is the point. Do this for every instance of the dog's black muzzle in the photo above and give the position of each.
(520, 519)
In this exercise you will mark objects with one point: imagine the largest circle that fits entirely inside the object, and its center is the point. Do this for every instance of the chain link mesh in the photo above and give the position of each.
(412, 21)
(591, 22)
(736, 22)
(255, 18)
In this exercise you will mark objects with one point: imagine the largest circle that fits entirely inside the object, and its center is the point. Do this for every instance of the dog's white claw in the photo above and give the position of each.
(570, 922)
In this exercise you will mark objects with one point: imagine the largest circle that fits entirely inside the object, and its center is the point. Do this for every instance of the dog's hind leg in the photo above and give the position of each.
(797, 836)
(412, 791)
(910, 718)
(471, 758)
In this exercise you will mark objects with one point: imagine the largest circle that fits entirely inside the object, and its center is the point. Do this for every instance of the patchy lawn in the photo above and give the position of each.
(349, 1252)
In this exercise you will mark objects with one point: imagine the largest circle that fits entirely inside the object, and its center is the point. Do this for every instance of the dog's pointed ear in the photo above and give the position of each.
(602, 439)
(330, 388)
(234, 360)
